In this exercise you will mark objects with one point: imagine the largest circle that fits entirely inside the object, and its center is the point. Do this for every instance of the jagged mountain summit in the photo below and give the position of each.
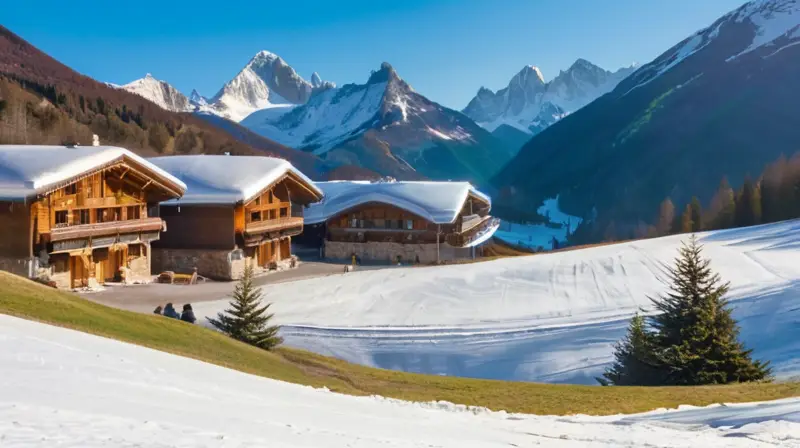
(529, 104)
(266, 81)
(720, 103)
(387, 127)
(159, 92)
(198, 100)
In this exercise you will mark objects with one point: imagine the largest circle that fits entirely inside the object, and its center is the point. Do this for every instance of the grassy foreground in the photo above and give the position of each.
(26, 299)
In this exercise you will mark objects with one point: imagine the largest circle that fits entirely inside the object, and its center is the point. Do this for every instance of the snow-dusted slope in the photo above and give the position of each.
(530, 104)
(774, 24)
(59, 387)
(266, 81)
(550, 317)
(387, 127)
(159, 92)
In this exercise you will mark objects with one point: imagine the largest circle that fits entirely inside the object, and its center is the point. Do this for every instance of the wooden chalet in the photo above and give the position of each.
(236, 210)
(405, 222)
(80, 216)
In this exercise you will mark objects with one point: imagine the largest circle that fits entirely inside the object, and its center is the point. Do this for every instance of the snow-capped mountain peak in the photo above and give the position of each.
(196, 98)
(530, 104)
(772, 25)
(316, 80)
(266, 81)
(159, 92)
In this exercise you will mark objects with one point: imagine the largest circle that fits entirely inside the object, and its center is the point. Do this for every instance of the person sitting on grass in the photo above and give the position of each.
(169, 311)
(158, 310)
(188, 314)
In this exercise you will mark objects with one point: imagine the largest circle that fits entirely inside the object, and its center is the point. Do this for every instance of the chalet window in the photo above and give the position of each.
(61, 217)
(60, 263)
(101, 215)
(255, 216)
(270, 197)
(354, 222)
(71, 189)
(258, 201)
(116, 214)
(134, 212)
(399, 223)
(284, 212)
(273, 213)
(409, 224)
(135, 250)
(85, 217)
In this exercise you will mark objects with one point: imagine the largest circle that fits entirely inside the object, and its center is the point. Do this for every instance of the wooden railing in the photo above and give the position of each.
(106, 228)
(271, 225)
(475, 231)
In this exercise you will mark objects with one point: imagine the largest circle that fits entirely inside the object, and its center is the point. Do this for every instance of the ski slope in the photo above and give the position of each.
(550, 317)
(59, 387)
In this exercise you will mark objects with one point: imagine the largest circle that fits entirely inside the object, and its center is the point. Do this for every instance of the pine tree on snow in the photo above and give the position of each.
(634, 364)
(696, 338)
(246, 320)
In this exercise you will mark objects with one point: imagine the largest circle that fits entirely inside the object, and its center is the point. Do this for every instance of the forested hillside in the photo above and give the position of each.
(45, 102)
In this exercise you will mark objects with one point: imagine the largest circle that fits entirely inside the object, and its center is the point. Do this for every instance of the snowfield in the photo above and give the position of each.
(59, 387)
(551, 317)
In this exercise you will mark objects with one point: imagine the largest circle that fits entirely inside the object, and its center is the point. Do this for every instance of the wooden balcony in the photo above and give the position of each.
(106, 229)
(472, 232)
(400, 236)
(256, 232)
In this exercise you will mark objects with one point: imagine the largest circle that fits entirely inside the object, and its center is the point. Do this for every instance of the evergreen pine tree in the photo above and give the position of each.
(748, 204)
(697, 214)
(696, 340)
(246, 320)
(722, 211)
(687, 225)
(666, 215)
(634, 364)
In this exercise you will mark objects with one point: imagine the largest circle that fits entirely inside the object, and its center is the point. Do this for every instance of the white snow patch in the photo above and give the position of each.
(62, 387)
(215, 179)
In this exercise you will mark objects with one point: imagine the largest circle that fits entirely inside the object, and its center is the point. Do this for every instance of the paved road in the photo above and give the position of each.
(145, 298)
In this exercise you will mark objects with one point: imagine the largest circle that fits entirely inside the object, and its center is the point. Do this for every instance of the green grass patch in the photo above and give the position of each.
(30, 300)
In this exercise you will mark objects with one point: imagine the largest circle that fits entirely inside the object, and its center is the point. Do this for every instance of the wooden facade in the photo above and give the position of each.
(218, 239)
(384, 232)
(90, 229)
(383, 222)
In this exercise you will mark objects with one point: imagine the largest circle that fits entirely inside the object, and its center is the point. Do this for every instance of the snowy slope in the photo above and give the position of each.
(551, 317)
(159, 92)
(530, 104)
(770, 23)
(59, 387)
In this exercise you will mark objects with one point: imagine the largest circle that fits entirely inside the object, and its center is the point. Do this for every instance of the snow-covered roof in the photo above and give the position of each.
(213, 179)
(438, 202)
(28, 170)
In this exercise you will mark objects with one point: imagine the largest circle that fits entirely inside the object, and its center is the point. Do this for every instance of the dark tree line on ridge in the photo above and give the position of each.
(773, 197)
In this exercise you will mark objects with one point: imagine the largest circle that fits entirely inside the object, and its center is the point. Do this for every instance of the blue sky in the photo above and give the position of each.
(446, 49)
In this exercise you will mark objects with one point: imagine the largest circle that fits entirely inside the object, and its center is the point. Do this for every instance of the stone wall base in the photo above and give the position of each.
(385, 252)
(215, 264)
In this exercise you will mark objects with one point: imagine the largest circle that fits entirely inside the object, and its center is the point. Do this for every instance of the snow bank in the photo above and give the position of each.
(61, 387)
(437, 202)
(549, 317)
(226, 179)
